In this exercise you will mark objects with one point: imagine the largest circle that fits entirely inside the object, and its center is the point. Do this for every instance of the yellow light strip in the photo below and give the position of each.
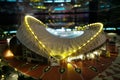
(88, 41)
(32, 32)
(65, 54)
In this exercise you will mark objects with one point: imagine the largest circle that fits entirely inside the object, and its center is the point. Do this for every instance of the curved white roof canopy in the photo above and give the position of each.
(33, 34)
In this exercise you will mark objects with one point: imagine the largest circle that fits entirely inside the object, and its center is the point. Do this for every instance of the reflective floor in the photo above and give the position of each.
(89, 69)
